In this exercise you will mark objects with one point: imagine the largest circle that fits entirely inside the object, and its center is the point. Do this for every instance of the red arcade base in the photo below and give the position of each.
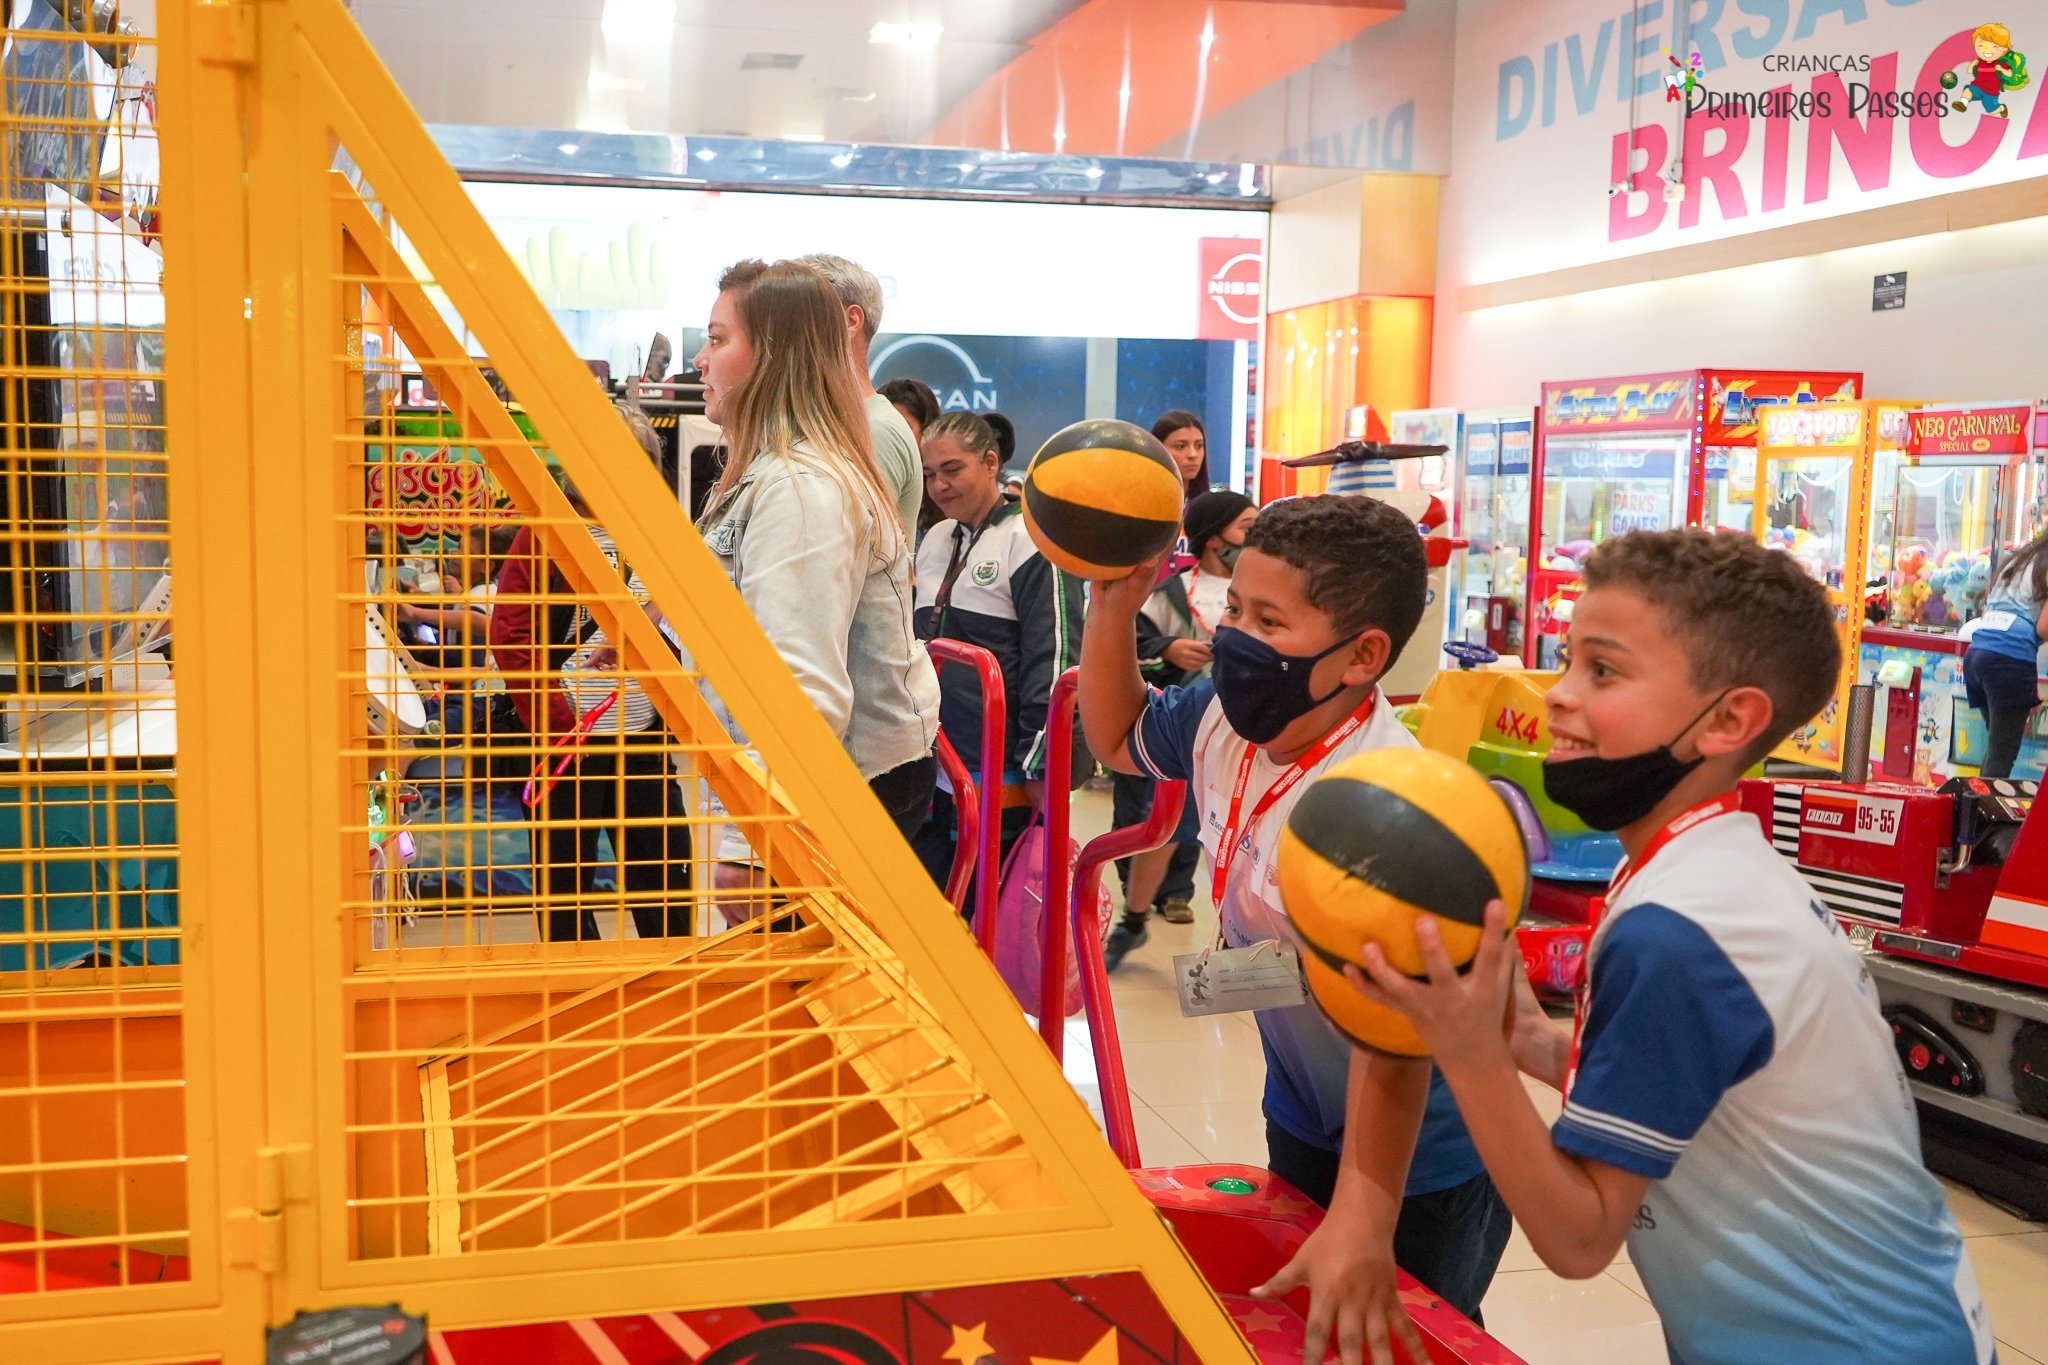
(1241, 1224)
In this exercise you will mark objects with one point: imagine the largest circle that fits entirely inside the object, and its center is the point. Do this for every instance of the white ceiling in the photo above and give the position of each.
(674, 66)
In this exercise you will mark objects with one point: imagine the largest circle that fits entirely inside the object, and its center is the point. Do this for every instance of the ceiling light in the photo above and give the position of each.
(803, 137)
(905, 35)
(1216, 177)
(567, 149)
(707, 154)
(965, 168)
(633, 20)
(843, 160)
(1093, 172)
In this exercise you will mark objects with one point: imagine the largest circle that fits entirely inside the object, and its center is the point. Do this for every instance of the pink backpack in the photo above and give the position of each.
(1020, 922)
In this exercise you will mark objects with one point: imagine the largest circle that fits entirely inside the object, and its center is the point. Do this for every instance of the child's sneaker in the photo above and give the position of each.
(1127, 933)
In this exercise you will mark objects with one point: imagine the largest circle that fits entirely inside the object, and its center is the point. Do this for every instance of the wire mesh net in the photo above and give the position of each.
(92, 1122)
(602, 986)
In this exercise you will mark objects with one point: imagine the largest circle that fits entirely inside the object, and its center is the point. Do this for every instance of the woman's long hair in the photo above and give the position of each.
(2032, 559)
(801, 400)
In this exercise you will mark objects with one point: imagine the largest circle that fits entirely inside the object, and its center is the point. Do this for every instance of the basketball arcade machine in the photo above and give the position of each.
(1643, 452)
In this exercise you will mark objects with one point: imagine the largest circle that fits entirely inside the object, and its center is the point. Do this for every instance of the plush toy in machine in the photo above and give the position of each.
(1977, 586)
(1912, 597)
(1934, 608)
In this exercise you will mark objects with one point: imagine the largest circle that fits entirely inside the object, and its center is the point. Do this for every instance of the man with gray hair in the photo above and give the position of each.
(860, 293)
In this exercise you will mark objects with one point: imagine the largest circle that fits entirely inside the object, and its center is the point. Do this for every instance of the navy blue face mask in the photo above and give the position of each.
(1262, 690)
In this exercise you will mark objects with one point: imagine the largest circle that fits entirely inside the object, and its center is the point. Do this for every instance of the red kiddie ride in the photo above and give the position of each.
(1947, 891)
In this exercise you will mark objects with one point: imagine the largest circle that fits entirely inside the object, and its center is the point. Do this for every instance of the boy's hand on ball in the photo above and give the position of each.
(1459, 1017)
(1351, 1293)
(1126, 595)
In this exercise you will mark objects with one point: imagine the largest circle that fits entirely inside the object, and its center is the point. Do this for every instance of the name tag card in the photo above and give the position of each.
(1265, 976)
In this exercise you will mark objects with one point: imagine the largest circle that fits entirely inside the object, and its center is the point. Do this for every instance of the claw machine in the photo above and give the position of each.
(1967, 491)
(1644, 452)
(1816, 465)
(1493, 515)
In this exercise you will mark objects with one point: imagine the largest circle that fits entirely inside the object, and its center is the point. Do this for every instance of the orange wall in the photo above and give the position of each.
(1323, 358)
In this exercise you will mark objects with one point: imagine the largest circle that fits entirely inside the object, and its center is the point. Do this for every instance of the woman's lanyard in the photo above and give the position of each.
(1226, 848)
(963, 546)
(1727, 803)
(1194, 582)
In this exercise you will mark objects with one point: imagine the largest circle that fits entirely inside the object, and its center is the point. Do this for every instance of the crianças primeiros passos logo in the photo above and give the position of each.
(1982, 84)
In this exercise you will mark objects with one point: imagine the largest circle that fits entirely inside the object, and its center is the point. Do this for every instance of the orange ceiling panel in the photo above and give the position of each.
(1126, 77)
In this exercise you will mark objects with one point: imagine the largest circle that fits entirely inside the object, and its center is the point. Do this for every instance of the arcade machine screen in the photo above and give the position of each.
(1475, 524)
(1594, 488)
(1731, 477)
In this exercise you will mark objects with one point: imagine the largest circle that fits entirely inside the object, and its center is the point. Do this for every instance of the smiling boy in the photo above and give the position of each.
(1325, 593)
(1735, 1110)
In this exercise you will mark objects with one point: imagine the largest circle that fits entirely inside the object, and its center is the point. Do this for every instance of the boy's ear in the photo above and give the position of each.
(1735, 722)
(1370, 657)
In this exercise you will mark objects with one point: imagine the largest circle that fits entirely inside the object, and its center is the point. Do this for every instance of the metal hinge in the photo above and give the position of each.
(224, 32)
(255, 1237)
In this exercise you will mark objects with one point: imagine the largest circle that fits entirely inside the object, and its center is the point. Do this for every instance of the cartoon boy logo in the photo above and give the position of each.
(1683, 77)
(1997, 69)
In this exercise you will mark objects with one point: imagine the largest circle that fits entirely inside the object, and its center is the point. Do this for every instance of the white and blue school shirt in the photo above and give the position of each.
(1733, 1053)
(1183, 737)
(2007, 625)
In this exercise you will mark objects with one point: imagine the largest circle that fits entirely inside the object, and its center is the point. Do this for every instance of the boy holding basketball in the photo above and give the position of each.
(1734, 1109)
(1326, 592)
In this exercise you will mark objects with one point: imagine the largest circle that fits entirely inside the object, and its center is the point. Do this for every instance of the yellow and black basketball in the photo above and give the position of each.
(1375, 844)
(1102, 497)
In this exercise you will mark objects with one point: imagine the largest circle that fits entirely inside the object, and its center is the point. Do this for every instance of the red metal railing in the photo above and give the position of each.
(980, 839)
(968, 803)
(1167, 799)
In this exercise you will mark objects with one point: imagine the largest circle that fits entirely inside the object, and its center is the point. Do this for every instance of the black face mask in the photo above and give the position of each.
(1227, 554)
(1608, 793)
(1262, 690)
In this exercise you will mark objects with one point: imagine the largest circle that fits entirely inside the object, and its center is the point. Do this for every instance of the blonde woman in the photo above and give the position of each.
(807, 527)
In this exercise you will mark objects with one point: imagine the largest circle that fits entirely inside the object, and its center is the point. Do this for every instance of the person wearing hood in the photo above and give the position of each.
(1174, 629)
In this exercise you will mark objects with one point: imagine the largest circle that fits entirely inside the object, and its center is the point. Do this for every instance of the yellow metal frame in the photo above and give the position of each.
(1848, 431)
(267, 251)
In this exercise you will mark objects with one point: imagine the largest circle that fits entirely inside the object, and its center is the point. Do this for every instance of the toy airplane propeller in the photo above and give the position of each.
(1351, 452)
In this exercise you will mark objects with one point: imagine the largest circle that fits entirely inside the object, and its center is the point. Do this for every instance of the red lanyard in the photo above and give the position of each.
(1195, 581)
(1226, 848)
(1727, 803)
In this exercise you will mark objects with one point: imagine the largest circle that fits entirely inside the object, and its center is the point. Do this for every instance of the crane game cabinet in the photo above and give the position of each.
(1644, 452)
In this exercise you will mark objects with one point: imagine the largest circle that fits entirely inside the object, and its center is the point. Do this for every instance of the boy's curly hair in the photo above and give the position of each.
(1363, 559)
(1745, 615)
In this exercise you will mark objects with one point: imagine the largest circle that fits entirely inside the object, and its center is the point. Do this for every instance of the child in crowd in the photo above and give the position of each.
(1174, 631)
(1734, 1109)
(1326, 592)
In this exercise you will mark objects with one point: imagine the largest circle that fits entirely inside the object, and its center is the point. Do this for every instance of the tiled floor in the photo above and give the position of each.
(1195, 1088)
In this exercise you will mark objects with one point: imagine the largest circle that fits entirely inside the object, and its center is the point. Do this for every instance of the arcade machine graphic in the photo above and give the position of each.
(576, 1092)
(1644, 452)
(1817, 465)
